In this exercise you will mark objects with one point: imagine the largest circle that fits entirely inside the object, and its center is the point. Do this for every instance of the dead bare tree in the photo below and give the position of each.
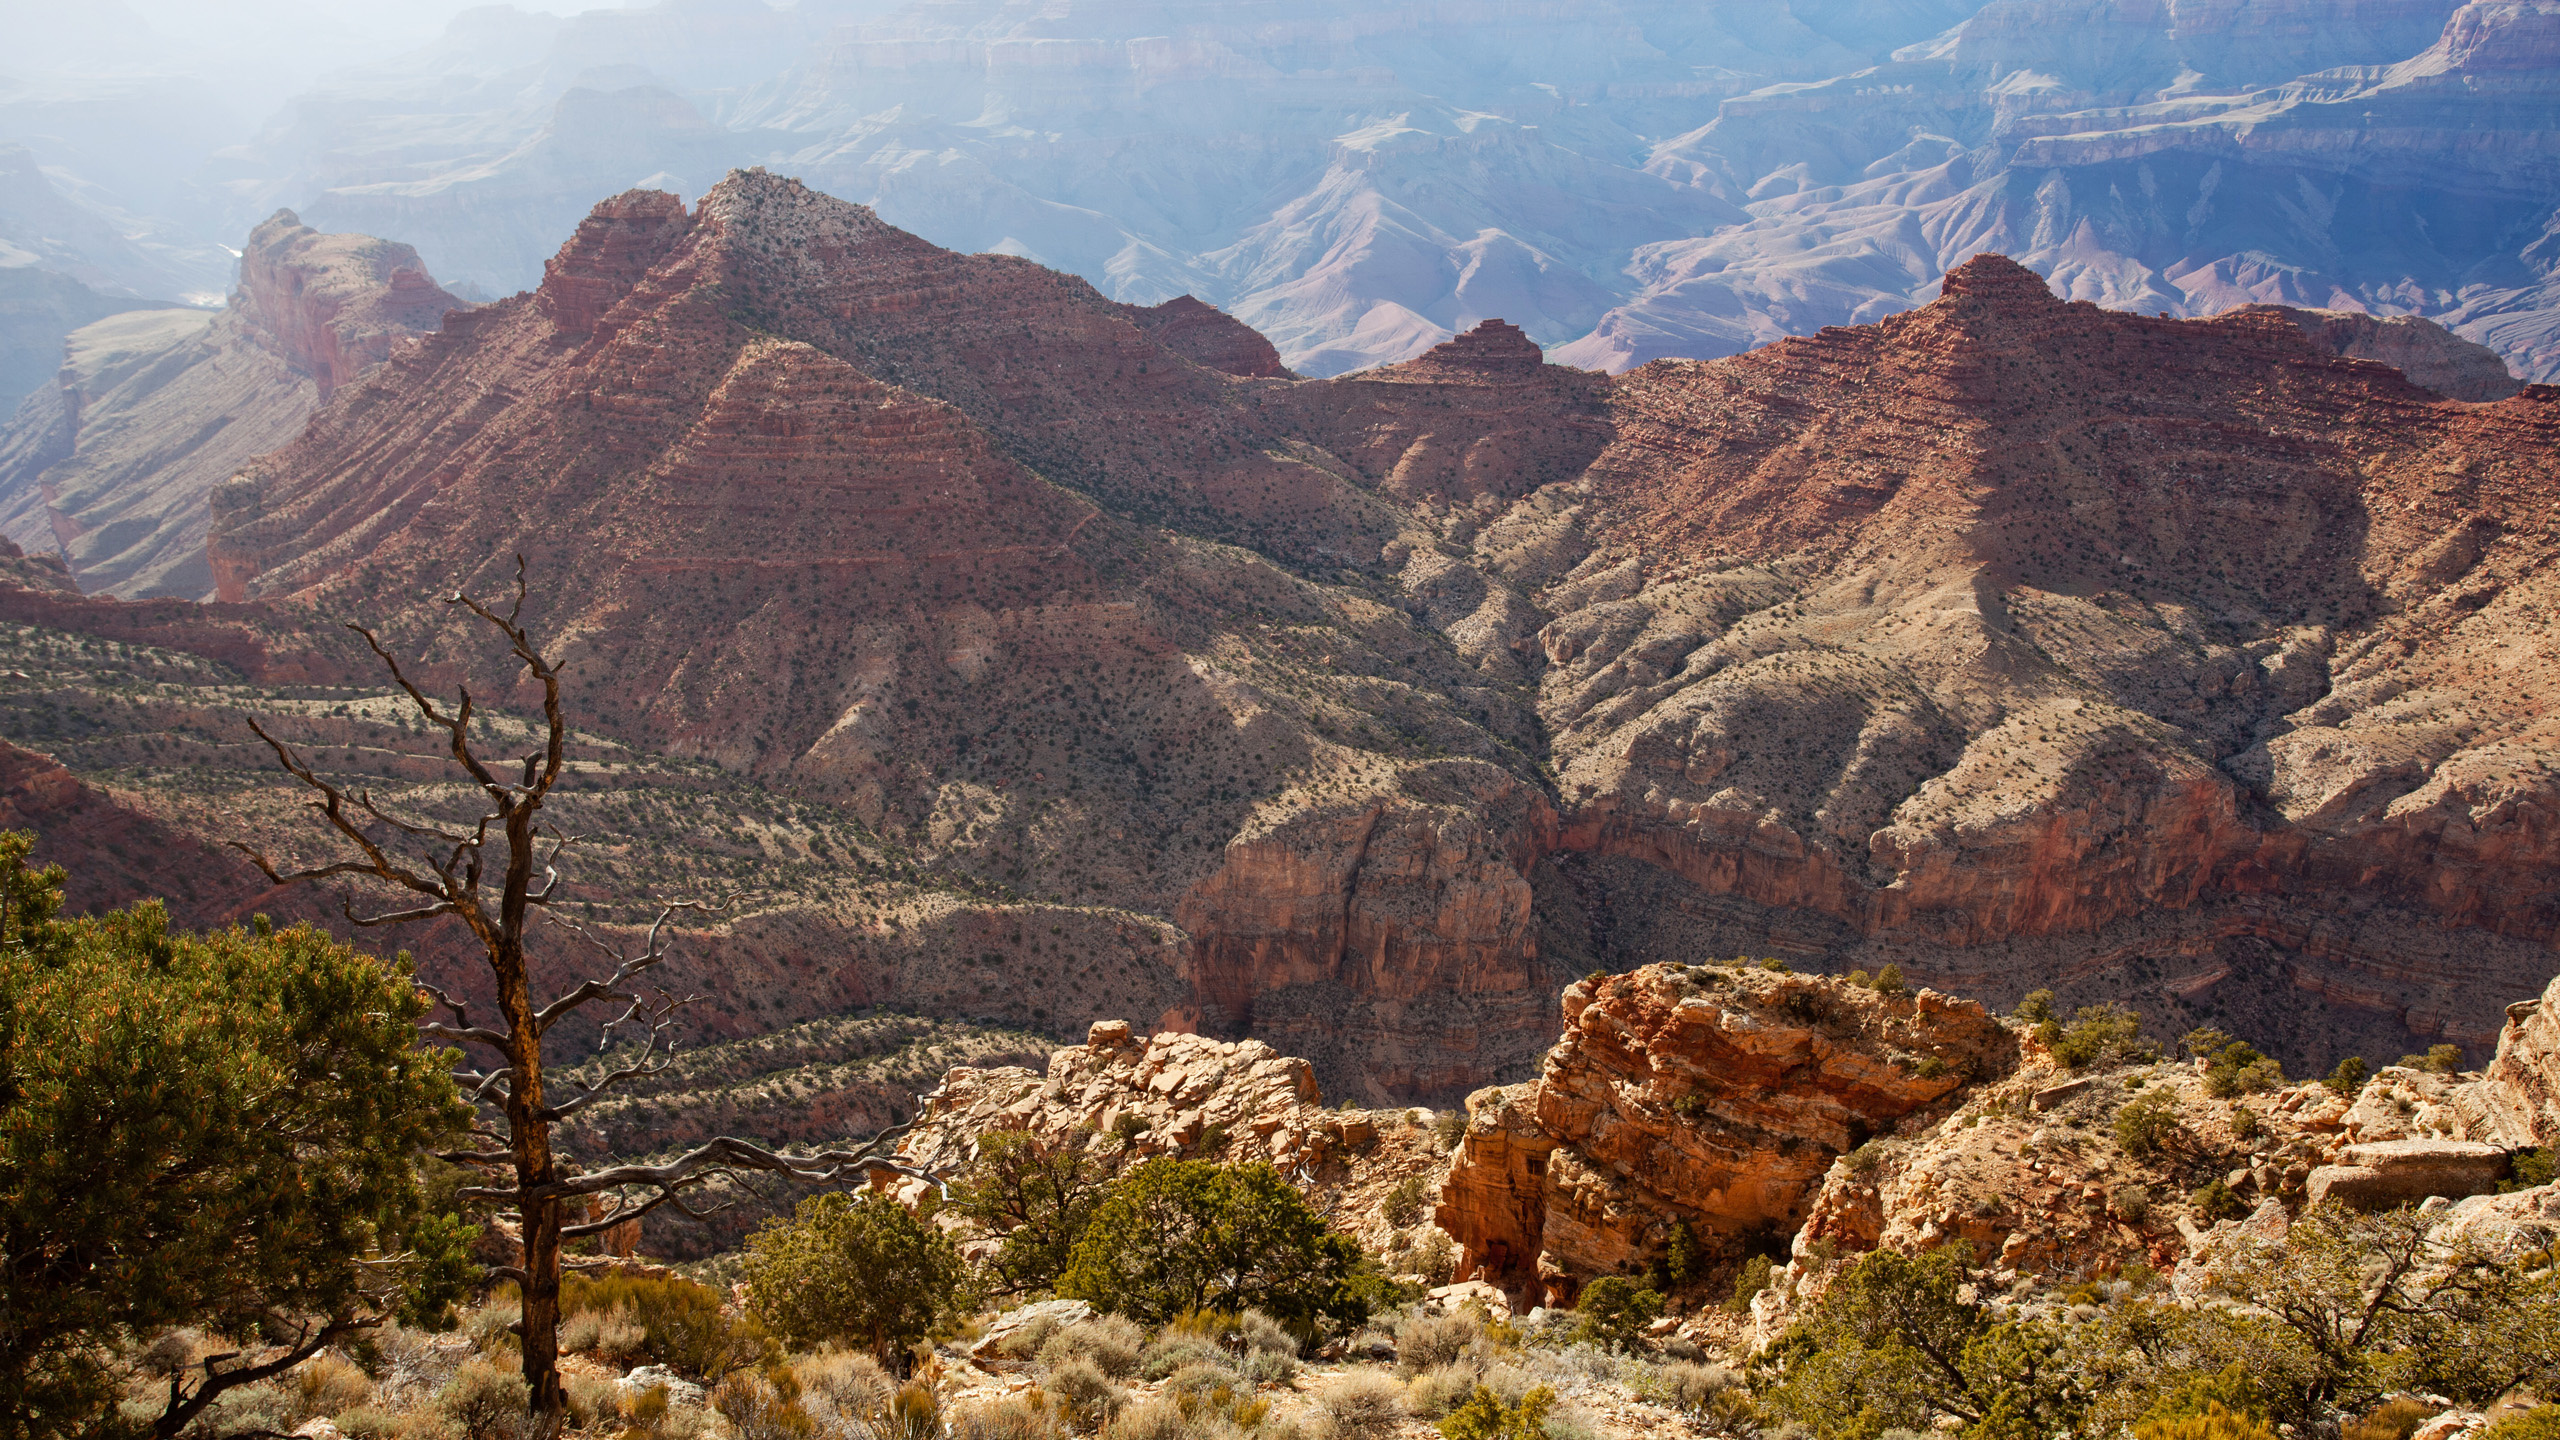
(451, 867)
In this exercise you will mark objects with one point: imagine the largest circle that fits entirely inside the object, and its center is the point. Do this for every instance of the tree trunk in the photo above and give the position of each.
(529, 1137)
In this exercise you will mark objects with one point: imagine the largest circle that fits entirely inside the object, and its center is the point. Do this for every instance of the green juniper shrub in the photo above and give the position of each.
(862, 1270)
(2349, 1077)
(222, 1128)
(1173, 1236)
(1613, 1312)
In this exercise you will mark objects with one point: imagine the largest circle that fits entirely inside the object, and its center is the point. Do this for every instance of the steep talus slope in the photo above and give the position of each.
(2010, 619)
(110, 464)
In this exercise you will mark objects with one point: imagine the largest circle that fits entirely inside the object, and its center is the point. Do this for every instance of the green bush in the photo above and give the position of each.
(2146, 1125)
(844, 1269)
(2240, 1070)
(2349, 1077)
(1405, 1203)
(1174, 1236)
(2214, 1201)
(486, 1401)
(2098, 1034)
(2542, 1422)
(1753, 1279)
(1485, 1417)
(1613, 1311)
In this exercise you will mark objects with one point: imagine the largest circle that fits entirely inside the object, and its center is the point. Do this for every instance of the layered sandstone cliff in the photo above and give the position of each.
(110, 465)
(1710, 1098)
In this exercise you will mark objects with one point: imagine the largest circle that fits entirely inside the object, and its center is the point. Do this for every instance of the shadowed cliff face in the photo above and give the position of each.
(2014, 641)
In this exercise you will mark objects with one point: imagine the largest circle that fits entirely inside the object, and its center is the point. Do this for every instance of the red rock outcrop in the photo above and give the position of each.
(332, 306)
(1712, 1097)
(1184, 1096)
(1210, 337)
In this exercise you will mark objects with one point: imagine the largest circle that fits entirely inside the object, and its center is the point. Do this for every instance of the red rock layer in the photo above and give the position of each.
(333, 305)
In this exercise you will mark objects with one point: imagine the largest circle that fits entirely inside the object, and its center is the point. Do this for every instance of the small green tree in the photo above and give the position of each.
(842, 1268)
(220, 1131)
(1173, 1236)
(2146, 1125)
(1039, 1194)
(1485, 1417)
(2349, 1077)
(1615, 1310)
(2238, 1069)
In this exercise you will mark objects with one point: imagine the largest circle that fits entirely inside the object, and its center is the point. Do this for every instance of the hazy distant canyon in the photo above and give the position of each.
(1623, 180)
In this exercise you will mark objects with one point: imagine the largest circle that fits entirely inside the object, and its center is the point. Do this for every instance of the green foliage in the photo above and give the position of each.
(2378, 1307)
(2213, 1201)
(2146, 1125)
(2238, 1069)
(2350, 1075)
(1039, 1195)
(1777, 966)
(219, 1131)
(1404, 1204)
(1753, 1279)
(1485, 1417)
(1614, 1311)
(2444, 1059)
(1895, 1342)
(2036, 1008)
(2098, 1034)
(864, 1270)
(2530, 1168)
(2245, 1122)
(1177, 1235)
(1889, 980)
(2206, 1040)
(680, 1321)
(2542, 1422)
(1679, 1262)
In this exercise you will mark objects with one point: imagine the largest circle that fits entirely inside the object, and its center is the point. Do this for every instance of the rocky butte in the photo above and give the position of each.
(2197, 663)
(109, 465)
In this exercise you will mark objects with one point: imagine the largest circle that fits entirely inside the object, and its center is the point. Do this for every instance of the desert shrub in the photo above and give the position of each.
(2217, 1423)
(2146, 1125)
(1427, 1342)
(1614, 1311)
(1268, 1367)
(366, 1422)
(1016, 1418)
(2132, 1203)
(1434, 1393)
(866, 1270)
(1889, 980)
(614, 1334)
(1169, 1354)
(2036, 1008)
(1088, 1395)
(2244, 1122)
(1363, 1405)
(2349, 1077)
(328, 1383)
(1112, 1342)
(1713, 1395)
(2395, 1419)
(762, 1407)
(2527, 1169)
(846, 1382)
(1404, 1204)
(1435, 1258)
(2238, 1069)
(912, 1412)
(2214, 1201)
(679, 1320)
(2444, 1059)
(1448, 1128)
(1753, 1279)
(594, 1400)
(1486, 1416)
(1154, 1420)
(488, 1403)
(1262, 1335)
(2098, 1034)
(2542, 1422)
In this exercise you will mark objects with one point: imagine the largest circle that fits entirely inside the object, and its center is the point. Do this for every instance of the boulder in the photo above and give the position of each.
(2386, 1173)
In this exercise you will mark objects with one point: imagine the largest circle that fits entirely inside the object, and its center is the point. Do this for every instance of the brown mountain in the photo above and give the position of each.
(109, 464)
(2018, 642)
